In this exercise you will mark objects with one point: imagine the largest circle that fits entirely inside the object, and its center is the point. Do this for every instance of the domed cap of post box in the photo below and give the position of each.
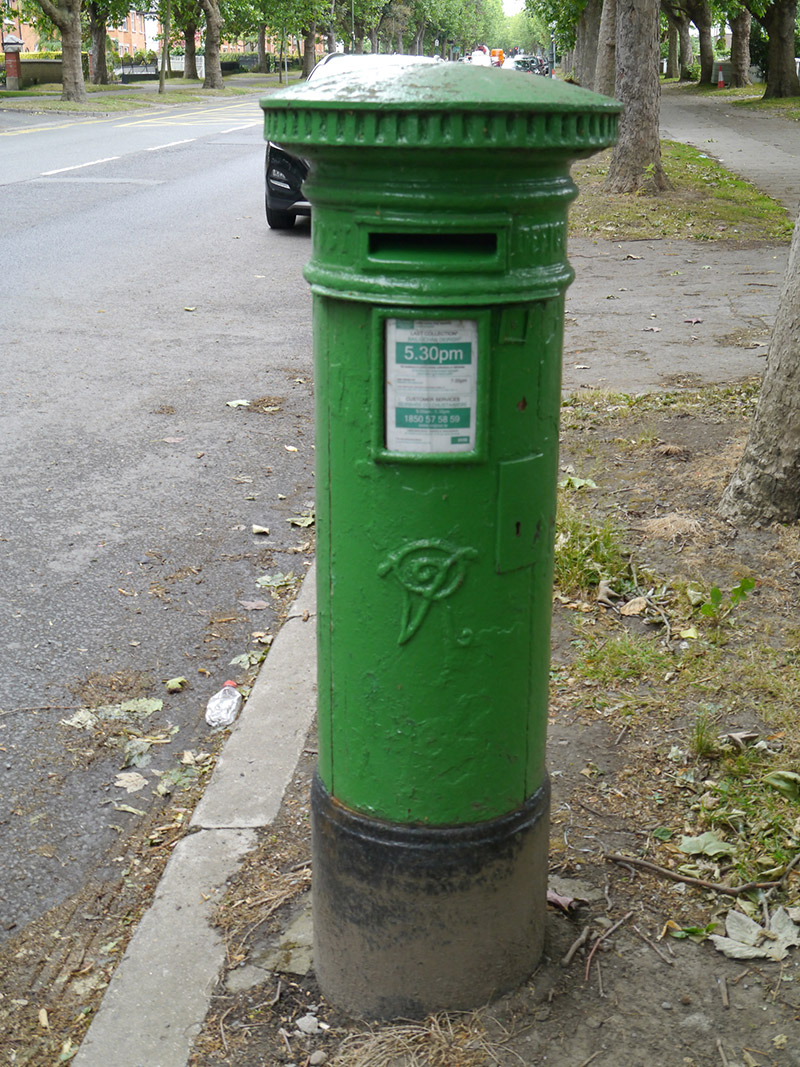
(441, 105)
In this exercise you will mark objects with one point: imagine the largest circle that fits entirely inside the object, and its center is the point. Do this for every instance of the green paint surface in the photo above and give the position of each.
(435, 204)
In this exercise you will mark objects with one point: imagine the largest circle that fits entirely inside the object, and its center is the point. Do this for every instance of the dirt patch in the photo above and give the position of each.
(631, 777)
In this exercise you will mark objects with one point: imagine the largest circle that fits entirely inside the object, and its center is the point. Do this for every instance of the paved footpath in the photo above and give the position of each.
(758, 146)
(159, 995)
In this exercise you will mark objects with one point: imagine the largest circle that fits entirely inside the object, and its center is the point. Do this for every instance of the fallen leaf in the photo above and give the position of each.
(260, 529)
(174, 685)
(786, 782)
(237, 403)
(693, 322)
(559, 901)
(129, 809)
(780, 1041)
(636, 606)
(43, 1020)
(190, 309)
(130, 781)
(254, 605)
(304, 520)
(707, 844)
(173, 440)
(747, 940)
(573, 482)
(691, 634)
(605, 594)
(290, 448)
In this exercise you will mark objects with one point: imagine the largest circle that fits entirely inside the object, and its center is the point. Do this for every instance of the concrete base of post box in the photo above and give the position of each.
(412, 919)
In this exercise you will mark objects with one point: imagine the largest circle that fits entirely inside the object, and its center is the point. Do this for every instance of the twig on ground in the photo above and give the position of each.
(722, 1055)
(222, 1019)
(285, 1037)
(602, 937)
(599, 970)
(576, 944)
(701, 883)
(723, 991)
(593, 1056)
(44, 707)
(653, 946)
(784, 877)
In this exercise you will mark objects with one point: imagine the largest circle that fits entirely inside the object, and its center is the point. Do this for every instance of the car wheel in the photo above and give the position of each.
(280, 220)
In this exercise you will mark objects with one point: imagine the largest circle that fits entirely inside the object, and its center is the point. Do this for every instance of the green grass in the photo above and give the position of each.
(131, 97)
(705, 203)
(621, 658)
(591, 408)
(586, 552)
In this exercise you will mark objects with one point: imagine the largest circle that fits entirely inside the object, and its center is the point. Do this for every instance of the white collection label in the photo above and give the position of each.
(431, 385)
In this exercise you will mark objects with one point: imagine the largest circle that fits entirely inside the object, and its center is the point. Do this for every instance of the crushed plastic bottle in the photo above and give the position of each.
(224, 706)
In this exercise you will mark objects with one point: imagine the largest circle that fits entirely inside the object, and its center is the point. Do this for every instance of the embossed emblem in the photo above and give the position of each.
(427, 571)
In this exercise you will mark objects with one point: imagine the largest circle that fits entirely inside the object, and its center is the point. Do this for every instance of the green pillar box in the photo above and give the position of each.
(438, 269)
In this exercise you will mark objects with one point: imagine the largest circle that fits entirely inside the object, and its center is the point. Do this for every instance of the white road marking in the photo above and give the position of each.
(78, 166)
(170, 144)
(235, 129)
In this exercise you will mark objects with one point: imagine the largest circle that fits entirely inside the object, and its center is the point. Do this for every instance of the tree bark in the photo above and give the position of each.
(700, 14)
(261, 46)
(213, 77)
(673, 70)
(584, 62)
(606, 71)
(66, 15)
(677, 17)
(685, 50)
(766, 485)
(309, 50)
(740, 49)
(779, 22)
(190, 51)
(636, 161)
(162, 70)
(97, 27)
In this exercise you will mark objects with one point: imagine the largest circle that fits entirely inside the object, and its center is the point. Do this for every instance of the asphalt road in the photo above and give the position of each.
(142, 291)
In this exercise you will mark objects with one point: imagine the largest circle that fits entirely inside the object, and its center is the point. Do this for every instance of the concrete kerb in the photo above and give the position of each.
(159, 995)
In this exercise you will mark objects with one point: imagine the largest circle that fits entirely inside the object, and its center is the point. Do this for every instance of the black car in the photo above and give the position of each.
(284, 173)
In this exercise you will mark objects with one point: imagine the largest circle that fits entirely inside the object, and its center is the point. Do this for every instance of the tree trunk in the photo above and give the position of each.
(418, 41)
(213, 78)
(309, 50)
(261, 46)
(636, 161)
(673, 70)
(740, 49)
(766, 485)
(190, 51)
(685, 50)
(779, 22)
(586, 43)
(162, 70)
(97, 26)
(606, 71)
(700, 14)
(67, 17)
